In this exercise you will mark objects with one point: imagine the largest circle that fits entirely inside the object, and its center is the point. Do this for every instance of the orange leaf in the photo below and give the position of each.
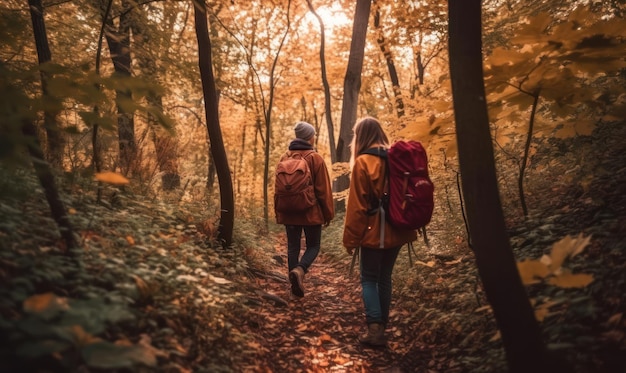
(530, 270)
(569, 280)
(45, 303)
(83, 338)
(111, 178)
(302, 328)
(325, 338)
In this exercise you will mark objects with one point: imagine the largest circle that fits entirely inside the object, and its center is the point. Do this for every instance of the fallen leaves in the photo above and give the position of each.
(549, 267)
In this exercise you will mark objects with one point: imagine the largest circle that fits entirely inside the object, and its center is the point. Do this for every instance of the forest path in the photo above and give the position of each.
(319, 332)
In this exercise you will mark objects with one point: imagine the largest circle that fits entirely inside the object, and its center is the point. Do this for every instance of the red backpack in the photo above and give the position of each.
(293, 188)
(409, 202)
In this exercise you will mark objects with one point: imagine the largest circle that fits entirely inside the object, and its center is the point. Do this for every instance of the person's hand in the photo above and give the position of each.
(350, 250)
(326, 223)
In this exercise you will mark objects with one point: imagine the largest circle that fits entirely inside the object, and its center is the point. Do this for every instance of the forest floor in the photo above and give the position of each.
(150, 292)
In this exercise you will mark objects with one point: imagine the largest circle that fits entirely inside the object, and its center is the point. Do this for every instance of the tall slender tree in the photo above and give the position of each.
(164, 139)
(391, 66)
(268, 117)
(42, 168)
(489, 239)
(352, 86)
(218, 152)
(118, 40)
(327, 96)
(55, 139)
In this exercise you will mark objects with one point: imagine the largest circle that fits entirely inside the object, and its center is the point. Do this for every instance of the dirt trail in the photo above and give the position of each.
(317, 333)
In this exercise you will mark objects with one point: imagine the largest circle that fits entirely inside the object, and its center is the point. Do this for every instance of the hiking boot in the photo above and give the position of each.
(296, 277)
(375, 335)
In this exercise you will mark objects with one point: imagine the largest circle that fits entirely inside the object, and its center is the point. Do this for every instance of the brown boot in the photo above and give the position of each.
(375, 335)
(296, 277)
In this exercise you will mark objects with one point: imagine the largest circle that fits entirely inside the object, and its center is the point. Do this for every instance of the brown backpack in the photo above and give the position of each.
(293, 188)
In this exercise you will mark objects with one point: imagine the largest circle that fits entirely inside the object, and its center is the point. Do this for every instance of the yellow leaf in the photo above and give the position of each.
(71, 211)
(566, 248)
(112, 178)
(454, 261)
(219, 280)
(430, 264)
(581, 243)
(130, 240)
(569, 280)
(531, 270)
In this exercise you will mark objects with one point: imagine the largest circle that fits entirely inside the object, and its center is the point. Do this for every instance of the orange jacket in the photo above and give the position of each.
(324, 211)
(363, 230)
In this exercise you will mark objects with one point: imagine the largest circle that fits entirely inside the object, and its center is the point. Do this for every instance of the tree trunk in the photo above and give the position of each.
(496, 264)
(327, 96)
(524, 162)
(165, 142)
(218, 152)
(46, 179)
(351, 87)
(268, 122)
(119, 47)
(391, 67)
(55, 139)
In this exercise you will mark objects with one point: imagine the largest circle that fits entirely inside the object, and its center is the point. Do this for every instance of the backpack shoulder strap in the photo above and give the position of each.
(301, 154)
(382, 153)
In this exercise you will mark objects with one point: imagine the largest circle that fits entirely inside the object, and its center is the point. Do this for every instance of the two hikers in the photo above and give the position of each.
(362, 227)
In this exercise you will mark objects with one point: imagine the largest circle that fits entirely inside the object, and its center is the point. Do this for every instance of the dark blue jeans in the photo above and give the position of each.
(376, 268)
(313, 235)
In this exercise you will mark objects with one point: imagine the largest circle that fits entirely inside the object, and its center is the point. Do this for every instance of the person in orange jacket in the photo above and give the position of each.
(311, 220)
(362, 228)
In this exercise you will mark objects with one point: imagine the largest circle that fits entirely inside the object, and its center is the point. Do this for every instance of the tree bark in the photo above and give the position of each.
(351, 87)
(164, 139)
(327, 96)
(47, 181)
(218, 152)
(524, 162)
(119, 47)
(391, 67)
(497, 268)
(55, 140)
(268, 121)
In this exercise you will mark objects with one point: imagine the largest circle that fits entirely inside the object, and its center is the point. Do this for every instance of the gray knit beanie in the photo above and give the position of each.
(304, 130)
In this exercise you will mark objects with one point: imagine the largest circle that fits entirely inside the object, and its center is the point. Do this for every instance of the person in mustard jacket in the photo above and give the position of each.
(362, 228)
(311, 220)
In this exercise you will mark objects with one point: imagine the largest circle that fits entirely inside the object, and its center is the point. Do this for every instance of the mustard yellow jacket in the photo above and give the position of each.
(324, 211)
(360, 228)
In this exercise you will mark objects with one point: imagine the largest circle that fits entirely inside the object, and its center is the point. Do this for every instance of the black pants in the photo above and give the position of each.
(313, 235)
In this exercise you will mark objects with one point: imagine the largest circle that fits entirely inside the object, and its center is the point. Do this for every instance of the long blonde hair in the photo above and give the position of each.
(367, 133)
